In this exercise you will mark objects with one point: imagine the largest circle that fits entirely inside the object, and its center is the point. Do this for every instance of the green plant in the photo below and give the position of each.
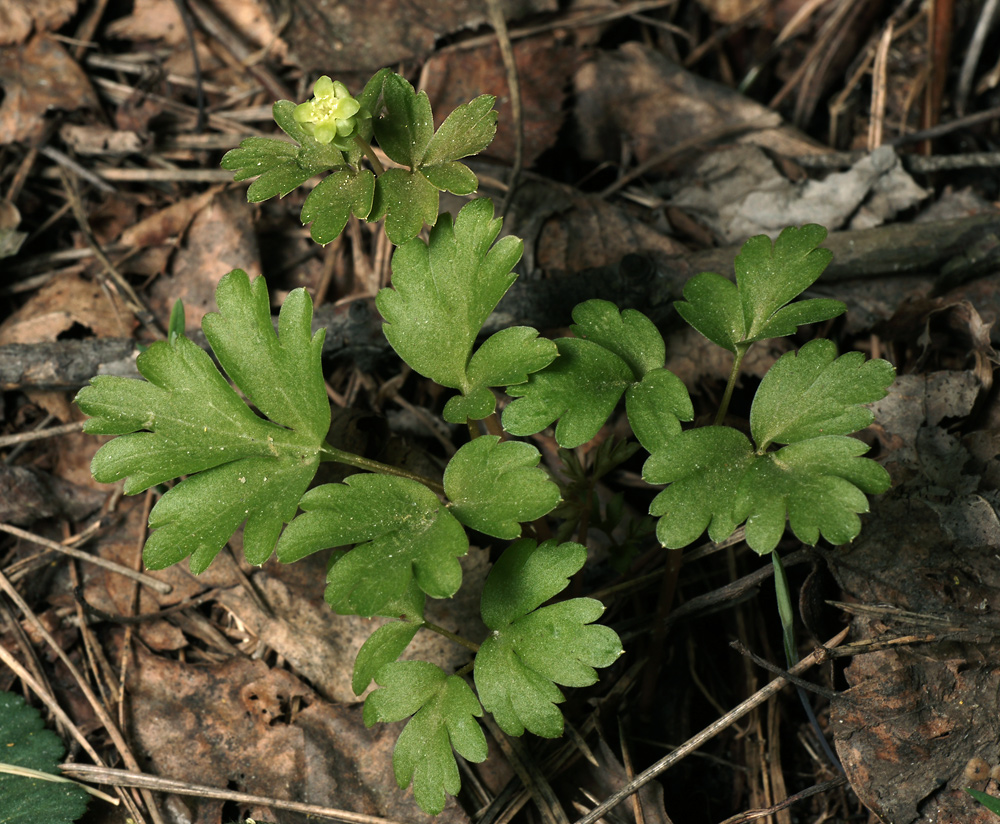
(990, 802)
(397, 537)
(31, 788)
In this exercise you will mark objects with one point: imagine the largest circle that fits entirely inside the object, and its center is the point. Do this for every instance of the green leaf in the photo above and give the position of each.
(24, 742)
(656, 406)
(383, 646)
(629, 334)
(580, 388)
(402, 531)
(242, 467)
(767, 278)
(813, 393)
(371, 93)
(506, 357)
(509, 356)
(405, 128)
(990, 802)
(495, 487)
(526, 576)
(331, 203)
(444, 290)
(444, 710)
(467, 131)
(282, 166)
(532, 649)
(177, 324)
(282, 375)
(453, 177)
(820, 484)
(704, 468)
(477, 404)
(407, 200)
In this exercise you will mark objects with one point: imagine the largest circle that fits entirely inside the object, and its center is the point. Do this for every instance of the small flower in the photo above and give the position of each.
(331, 112)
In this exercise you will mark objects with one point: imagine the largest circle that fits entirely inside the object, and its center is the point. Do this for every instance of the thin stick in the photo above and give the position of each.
(145, 580)
(40, 434)
(499, 24)
(130, 778)
(879, 84)
(709, 732)
(753, 815)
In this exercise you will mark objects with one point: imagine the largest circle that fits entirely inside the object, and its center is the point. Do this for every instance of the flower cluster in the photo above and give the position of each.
(332, 112)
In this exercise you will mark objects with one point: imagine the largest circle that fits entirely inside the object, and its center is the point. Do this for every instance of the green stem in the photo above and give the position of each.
(451, 636)
(366, 147)
(329, 453)
(741, 350)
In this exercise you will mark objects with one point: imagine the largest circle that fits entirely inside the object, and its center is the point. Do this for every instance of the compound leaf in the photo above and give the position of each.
(614, 351)
(509, 356)
(813, 393)
(186, 419)
(405, 128)
(712, 306)
(704, 468)
(25, 743)
(334, 199)
(580, 388)
(452, 176)
(407, 200)
(444, 290)
(656, 405)
(532, 649)
(495, 487)
(466, 131)
(767, 278)
(402, 531)
(629, 334)
(506, 357)
(282, 375)
(820, 483)
(383, 647)
(444, 711)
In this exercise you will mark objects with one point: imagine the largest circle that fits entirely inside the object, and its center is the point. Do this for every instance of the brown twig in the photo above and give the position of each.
(709, 732)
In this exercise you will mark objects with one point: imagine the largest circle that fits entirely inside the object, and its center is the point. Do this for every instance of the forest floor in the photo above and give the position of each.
(644, 142)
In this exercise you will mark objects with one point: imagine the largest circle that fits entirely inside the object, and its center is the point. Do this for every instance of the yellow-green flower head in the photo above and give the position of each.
(331, 112)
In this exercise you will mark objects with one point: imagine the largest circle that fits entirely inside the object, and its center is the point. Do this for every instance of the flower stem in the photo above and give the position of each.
(329, 453)
(458, 639)
(741, 350)
(366, 147)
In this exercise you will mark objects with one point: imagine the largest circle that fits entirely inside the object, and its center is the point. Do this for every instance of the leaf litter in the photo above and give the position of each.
(655, 157)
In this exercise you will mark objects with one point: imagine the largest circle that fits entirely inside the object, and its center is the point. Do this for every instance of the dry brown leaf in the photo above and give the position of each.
(260, 730)
(545, 64)
(729, 11)
(220, 238)
(635, 99)
(322, 645)
(66, 300)
(37, 76)
(18, 18)
(365, 35)
(254, 21)
(168, 223)
(151, 20)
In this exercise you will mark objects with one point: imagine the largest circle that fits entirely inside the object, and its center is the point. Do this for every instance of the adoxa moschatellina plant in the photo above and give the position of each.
(404, 534)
